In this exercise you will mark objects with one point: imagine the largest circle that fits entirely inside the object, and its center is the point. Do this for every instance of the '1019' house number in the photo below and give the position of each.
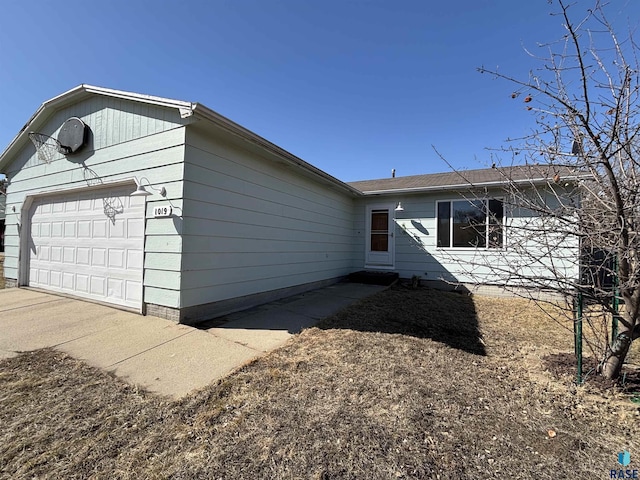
(164, 211)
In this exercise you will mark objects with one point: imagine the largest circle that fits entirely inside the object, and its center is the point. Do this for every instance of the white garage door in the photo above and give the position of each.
(89, 244)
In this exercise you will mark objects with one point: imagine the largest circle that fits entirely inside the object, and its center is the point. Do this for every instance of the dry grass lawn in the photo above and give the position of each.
(405, 384)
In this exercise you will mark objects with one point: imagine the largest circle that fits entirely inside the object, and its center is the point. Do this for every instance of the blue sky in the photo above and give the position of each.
(354, 87)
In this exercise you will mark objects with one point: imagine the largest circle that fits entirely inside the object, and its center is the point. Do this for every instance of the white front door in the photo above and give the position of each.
(380, 241)
(88, 243)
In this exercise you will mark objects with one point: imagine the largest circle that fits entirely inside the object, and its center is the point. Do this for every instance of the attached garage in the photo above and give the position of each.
(88, 243)
(166, 207)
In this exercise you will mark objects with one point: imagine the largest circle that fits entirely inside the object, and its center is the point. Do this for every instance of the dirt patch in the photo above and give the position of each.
(564, 366)
(374, 392)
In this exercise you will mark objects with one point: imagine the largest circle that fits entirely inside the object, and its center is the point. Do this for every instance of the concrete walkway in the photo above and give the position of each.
(161, 356)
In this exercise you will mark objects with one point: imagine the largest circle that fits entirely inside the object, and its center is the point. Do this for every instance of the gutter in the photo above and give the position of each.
(201, 111)
(186, 109)
(466, 186)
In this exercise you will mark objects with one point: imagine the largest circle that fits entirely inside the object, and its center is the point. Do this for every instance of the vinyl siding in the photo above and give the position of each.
(416, 252)
(253, 224)
(112, 122)
(128, 139)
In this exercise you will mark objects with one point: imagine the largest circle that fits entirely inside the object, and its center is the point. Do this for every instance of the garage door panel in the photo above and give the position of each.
(56, 254)
(133, 291)
(116, 258)
(77, 249)
(135, 228)
(85, 204)
(84, 229)
(56, 229)
(134, 260)
(98, 257)
(117, 230)
(43, 277)
(68, 254)
(71, 205)
(54, 278)
(116, 288)
(97, 286)
(83, 256)
(68, 281)
(70, 229)
(82, 283)
(99, 229)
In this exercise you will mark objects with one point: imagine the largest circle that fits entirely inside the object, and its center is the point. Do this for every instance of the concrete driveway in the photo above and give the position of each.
(161, 356)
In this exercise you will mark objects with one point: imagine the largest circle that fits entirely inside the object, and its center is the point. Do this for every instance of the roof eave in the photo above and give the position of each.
(185, 108)
(202, 111)
(467, 186)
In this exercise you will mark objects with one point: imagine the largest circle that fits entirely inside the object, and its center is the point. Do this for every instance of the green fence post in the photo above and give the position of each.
(616, 301)
(577, 329)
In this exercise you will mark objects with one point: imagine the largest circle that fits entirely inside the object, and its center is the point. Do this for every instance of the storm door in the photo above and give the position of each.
(380, 241)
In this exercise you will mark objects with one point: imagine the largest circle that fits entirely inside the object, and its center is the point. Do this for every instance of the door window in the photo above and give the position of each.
(380, 230)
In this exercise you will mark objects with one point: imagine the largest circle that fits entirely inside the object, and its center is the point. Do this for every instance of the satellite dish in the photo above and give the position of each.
(73, 135)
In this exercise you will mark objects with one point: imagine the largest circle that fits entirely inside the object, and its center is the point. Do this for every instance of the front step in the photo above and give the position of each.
(373, 278)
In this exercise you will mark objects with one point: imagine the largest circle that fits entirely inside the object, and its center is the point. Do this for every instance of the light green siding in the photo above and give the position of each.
(254, 224)
(128, 139)
(416, 252)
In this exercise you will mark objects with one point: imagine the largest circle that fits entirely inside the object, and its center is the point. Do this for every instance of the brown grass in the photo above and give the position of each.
(406, 384)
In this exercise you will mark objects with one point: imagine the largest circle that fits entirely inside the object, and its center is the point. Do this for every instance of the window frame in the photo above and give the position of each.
(487, 224)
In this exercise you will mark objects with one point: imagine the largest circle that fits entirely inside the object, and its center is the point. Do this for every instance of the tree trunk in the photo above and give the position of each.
(615, 356)
(617, 352)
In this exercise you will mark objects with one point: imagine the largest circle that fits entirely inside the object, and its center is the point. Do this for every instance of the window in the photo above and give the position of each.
(470, 223)
(380, 230)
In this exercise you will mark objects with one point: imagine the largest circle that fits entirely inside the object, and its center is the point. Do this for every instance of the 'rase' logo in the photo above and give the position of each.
(624, 459)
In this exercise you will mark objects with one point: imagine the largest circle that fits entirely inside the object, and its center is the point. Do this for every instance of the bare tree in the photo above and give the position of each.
(584, 189)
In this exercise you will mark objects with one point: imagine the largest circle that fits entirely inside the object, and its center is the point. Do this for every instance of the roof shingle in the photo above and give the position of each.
(465, 178)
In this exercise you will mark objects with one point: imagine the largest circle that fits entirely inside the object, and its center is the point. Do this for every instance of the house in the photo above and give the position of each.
(170, 209)
(461, 229)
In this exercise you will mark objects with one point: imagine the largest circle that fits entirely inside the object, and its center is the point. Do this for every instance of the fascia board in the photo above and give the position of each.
(201, 111)
(47, 107)
(468, 186)
(186, 108)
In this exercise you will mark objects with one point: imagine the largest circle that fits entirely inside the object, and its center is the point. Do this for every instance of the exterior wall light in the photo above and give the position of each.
(399, 207)
(141, 191)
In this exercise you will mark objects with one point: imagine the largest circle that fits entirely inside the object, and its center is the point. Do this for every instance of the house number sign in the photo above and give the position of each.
(164, 211)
